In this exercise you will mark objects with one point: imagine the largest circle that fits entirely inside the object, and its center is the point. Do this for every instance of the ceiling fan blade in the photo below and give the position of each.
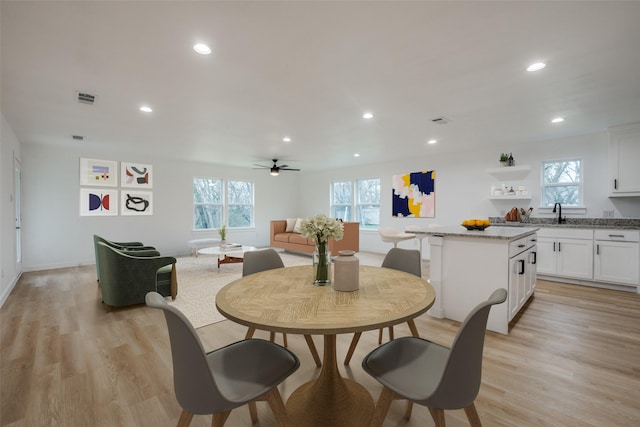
(261, 166)
(288, 169)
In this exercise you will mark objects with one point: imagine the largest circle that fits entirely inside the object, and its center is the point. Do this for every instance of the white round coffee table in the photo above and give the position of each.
(227, 254)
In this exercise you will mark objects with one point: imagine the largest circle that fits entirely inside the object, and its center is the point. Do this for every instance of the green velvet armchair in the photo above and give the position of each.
(125, 246)
(125, 277)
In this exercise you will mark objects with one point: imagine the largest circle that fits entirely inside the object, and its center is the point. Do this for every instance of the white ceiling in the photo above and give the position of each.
(309, 70)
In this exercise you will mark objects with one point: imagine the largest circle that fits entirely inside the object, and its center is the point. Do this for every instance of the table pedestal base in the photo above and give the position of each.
(330, 400)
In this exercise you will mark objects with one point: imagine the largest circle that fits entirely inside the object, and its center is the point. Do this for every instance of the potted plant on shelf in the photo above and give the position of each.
(223, 234)
(504, 159)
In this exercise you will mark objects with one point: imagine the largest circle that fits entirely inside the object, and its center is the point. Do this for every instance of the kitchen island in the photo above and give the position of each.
(467, 265)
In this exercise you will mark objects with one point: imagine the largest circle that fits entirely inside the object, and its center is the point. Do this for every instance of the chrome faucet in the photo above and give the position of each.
(560, 219)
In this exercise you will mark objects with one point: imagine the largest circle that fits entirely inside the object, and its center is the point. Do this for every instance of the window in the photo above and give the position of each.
(213, 206)
(207, 203)
(342, 200)
(364, 207)
(240, 204)
(562, 182)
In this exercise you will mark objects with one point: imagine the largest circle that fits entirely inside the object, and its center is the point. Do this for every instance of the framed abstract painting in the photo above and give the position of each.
(102, 173)
(414, 195)
(136, 202)
(98, 202)
(136, 175)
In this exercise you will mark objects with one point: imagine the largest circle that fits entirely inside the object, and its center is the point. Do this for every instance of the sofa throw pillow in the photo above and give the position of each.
(296, 228)
(291, 223)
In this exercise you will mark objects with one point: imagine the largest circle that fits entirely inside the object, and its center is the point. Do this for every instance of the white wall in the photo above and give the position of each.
(9, 149)
(463, 186)
(55, 235)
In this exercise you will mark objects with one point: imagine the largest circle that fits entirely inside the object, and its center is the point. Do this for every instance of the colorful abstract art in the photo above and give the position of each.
(136, 202)
(98, 202)
(136, 175)
(103, 173)
(414, 195)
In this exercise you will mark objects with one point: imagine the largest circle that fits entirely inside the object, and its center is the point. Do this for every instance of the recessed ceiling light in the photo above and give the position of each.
(146, 109)
(536, 67)
(286, 139)
(431, 141)
(557, 120)
(356, 155)
(367, 116)
(202, 49)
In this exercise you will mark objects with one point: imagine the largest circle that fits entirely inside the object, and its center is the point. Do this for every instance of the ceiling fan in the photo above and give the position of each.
(275, 169)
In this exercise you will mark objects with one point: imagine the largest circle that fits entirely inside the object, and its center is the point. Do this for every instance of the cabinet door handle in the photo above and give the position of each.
(558, 246)
(533, 240)
(535, 257)
(521, 261)
(615, 184)
(616, 235)
(554, 246)
(521, 245)
(597, 249)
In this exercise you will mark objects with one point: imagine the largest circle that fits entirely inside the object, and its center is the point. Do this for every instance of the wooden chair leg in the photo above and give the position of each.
(250, 333)
(472, 415)
(219, 419)
(382, 407)
(352, 347)
(390, 333)
(407, 412)
(438, 416)
(277, 406)
(380, 336)
(253, 412)
(272, 336)
(284, 339)
(413, 329)
(314, 351)
(185, 419)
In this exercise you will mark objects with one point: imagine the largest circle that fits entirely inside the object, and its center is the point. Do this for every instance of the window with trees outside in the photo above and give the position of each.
(213, 206)
(357, 201)
(562, 182)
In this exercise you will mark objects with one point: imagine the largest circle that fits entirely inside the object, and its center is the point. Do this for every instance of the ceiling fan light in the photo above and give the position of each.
(275, 172)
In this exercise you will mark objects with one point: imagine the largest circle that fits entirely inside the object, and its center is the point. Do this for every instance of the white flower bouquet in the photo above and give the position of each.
(322, 228)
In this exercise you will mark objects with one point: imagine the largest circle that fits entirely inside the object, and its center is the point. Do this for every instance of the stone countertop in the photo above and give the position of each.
(492, 232)
(588, 223)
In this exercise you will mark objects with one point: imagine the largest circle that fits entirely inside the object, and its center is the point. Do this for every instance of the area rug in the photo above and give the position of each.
(199, 280)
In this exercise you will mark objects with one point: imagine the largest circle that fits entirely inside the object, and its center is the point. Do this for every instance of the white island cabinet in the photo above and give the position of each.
(467, 266)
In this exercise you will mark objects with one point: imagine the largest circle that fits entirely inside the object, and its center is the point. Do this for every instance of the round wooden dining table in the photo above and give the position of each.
(285, 300)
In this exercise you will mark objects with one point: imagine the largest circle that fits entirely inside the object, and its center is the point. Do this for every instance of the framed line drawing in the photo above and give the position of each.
(98, 202)
(136, 175)
(102, 173)
(414, 195)
(134, 202)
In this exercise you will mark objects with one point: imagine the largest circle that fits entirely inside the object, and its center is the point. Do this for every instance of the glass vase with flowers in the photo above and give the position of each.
(321, 228)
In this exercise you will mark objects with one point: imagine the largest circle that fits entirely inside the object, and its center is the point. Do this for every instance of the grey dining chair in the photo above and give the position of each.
(269, 259)
(430, 374)
(407, 260)
(224, 379)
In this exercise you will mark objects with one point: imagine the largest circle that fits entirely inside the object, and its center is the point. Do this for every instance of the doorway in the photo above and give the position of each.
(18, 212)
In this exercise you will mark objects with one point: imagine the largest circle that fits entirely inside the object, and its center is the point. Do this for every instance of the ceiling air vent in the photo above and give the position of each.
(78, 137)
(85, 98)
(440, 120)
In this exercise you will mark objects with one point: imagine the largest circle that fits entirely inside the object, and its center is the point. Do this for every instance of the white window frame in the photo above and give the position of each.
(355, 203)
(225, 204)
(579, 207)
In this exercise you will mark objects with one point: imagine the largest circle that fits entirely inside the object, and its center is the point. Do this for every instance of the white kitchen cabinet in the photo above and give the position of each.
(617, 256)
(624, 152)
(467, 266)
(565, 252)
(522, 274)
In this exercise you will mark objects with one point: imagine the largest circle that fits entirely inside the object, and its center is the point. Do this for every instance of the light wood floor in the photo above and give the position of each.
(572, 359)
